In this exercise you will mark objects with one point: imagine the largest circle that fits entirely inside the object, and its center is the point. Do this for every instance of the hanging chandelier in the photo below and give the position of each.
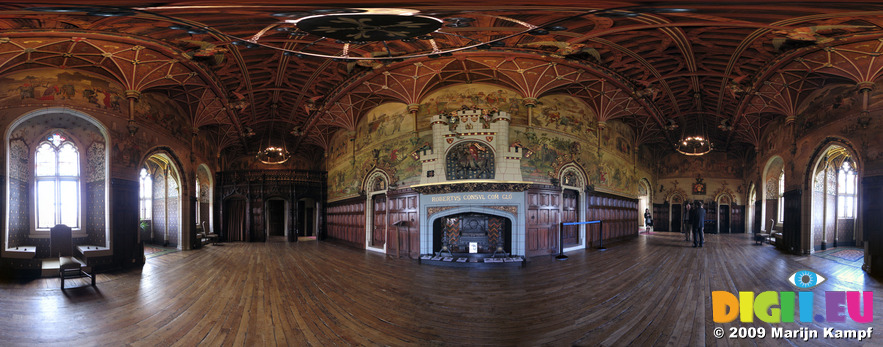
(694, 145)
(273, 155)
(694, 139)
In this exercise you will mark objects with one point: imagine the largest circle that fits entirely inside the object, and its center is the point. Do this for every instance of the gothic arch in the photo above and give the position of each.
(17, 233)
(822, 225)
(572, 178)
(375, 186)
(172, 218)
(770, 191)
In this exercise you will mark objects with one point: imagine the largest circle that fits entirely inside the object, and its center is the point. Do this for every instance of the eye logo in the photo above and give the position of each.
(805, 279)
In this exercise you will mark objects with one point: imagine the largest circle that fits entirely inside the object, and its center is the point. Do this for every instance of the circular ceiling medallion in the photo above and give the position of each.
(368, 27)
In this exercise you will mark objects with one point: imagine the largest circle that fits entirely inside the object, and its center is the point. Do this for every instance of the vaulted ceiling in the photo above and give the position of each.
(241, 71)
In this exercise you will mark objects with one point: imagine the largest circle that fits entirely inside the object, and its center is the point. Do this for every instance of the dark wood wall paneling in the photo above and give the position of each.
(737, 219)
(403, 240)
(128, 247)
(618, 214)
(660, 217)
(791, 224)
(346, 221)
(543, 216)
(871, 206)
(259, 185)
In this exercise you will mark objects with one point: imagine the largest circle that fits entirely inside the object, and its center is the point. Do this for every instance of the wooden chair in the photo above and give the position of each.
(208, 234)
(61, 245)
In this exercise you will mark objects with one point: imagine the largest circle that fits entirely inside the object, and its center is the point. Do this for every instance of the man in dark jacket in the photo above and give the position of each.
(698, 224)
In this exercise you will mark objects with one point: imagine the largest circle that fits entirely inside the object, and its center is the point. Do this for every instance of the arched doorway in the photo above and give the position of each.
(644, 200)
(724, 213)
(57, 172)
(276, 223)
(676, 212)
(753, 206)
(307, 218)
(204, 198)
(572, 178)
(161, 207)
(772, 202)
(376, 212)
(834, 182)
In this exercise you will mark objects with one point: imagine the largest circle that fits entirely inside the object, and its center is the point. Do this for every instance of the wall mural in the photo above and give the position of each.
(568, 115)
(127, 150)
(711, 165)
(477, 95)
(383, 138)
(828, 104)
(565, 130)
(614, 171)
(160, 111)
(62, 87)
(549, 150)
(618, 139)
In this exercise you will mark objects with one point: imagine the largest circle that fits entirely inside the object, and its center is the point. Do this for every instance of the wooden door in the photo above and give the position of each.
(276, 216)
(378, 230)
(570, 233)
(676, 217)
(724, 222)
(543, 208)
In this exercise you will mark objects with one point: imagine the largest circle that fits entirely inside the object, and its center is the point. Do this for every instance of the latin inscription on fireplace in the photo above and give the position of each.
(472, 197)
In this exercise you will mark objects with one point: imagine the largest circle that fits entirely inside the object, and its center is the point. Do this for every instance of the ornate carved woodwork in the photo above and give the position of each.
(455, 187)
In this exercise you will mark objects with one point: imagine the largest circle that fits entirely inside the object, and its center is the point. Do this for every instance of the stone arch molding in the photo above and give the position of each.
(376, 181)
(572, 175)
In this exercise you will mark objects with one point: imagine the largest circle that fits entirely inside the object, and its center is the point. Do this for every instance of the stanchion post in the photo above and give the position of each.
(561, 255)
(601, 236)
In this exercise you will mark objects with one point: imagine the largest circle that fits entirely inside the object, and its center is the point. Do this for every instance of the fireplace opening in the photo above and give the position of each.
(472, 233)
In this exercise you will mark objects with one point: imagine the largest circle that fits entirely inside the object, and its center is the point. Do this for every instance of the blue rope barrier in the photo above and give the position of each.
(577, 223)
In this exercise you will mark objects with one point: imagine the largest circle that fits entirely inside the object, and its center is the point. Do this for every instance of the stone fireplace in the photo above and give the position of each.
(473, 233)
(478, 216)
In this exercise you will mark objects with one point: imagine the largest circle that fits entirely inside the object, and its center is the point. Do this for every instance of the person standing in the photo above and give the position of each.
(648, 220)
(688, 225)
(698, 225)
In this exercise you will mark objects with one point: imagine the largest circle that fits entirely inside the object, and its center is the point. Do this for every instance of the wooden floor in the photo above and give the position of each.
(652, 290)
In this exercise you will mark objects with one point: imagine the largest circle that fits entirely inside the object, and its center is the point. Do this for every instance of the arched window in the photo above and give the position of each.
(146, 195)
(846, 182)
(57, 177)
(782, 196)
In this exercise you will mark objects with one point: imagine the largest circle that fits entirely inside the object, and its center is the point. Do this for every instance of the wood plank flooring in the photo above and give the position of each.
(652, 290)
